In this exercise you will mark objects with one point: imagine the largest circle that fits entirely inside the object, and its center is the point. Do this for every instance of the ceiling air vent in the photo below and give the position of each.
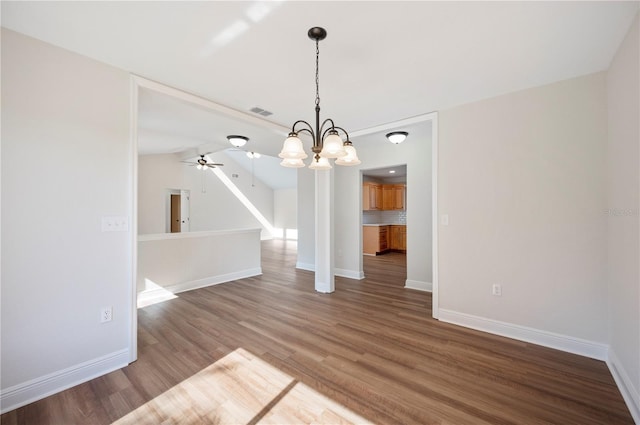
(261, 111)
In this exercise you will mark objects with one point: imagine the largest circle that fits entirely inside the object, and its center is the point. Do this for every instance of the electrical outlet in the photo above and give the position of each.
(106, 314)
(496, 290)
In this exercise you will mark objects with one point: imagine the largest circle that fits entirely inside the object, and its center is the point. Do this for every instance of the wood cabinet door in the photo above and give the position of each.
(371, 196)
(377, 196)
(388, 197)
(398, 237)
(369, 240)
(398, 198)
(366, 197)
(393, 237)
(402, 238)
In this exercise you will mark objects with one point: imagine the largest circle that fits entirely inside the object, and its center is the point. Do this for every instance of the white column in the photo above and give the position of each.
(325, 281)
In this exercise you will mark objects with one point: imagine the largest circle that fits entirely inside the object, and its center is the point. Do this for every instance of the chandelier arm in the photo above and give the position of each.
(310, 133)
(344, 131)
(323, 130)
(307, 130)
(293, 127)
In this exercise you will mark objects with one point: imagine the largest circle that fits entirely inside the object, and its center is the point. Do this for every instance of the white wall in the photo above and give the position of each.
(622, 214)
(285, 208)
(217, 209)
(156, 173)
(65, 164)
(416, 153)
(180, 262)
(522, 178)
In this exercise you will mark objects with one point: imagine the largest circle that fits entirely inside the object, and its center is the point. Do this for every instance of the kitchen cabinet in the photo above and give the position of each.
(385, 197)
(380, 238)
(398, 237)
(375, 239)
(371, 196)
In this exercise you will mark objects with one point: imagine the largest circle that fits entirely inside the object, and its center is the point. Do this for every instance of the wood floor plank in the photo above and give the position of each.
(269, 349)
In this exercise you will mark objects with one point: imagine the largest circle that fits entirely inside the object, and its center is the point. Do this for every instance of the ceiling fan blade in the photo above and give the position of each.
(215, 165)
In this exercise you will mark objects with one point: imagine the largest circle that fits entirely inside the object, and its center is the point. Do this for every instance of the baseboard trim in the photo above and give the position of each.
(418, 285)
(566, 343)
(213, 280)
(306, 266)
(350, 274)
(39, 388)
(629, 393)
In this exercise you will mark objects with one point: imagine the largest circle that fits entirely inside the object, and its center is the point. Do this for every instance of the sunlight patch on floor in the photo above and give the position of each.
(153, 294)
(240, 388)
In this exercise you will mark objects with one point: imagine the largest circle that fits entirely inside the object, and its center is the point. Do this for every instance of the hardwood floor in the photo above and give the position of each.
(269, 349)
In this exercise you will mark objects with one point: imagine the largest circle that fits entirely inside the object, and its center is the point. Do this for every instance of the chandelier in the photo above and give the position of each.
(327, 142)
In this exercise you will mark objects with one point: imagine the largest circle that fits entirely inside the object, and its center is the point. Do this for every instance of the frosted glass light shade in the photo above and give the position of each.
(351, 158)
(292, 163)
(332, 146)
(397, 137)
(320, 164)
(237, 141)
(292, 148)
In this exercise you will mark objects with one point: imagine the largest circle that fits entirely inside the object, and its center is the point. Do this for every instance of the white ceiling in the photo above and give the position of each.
(381, 61)
(396, 172)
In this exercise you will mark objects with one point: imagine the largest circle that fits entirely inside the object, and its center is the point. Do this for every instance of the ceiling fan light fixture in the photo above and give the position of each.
(237, 141)
(397, 137)
(253, 155)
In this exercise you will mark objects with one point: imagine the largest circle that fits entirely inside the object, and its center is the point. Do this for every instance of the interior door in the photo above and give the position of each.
(175, 213)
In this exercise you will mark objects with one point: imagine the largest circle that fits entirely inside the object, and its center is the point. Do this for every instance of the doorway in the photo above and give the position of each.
(178, 210)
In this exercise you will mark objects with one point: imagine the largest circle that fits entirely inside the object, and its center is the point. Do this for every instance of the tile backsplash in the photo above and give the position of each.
(391, 217)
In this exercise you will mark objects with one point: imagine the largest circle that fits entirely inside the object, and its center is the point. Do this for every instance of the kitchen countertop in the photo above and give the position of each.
(385, 224)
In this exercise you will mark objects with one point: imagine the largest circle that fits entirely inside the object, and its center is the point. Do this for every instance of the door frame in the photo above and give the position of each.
(433, 118)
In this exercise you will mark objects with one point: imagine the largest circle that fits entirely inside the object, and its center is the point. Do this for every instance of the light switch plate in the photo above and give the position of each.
(444, 219)
(115, 224)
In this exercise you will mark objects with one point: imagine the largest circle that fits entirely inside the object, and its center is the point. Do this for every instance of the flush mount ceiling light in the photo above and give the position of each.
(237, 141)
(397, 137)
(327, 142)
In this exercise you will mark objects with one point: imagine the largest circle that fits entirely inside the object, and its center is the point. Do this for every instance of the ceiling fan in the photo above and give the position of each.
(203, 164)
